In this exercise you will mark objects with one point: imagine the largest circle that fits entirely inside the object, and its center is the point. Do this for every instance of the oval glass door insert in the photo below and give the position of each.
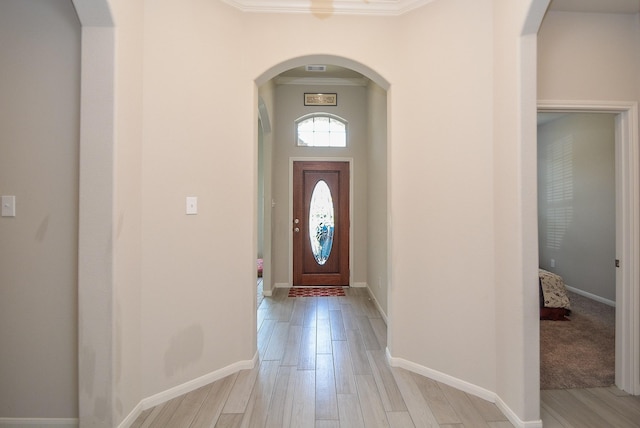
(321, 222)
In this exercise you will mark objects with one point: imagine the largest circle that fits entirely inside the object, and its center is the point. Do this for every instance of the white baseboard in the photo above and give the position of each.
(38, 422)
(463, 386)
(378, 307)
(267, 293)
(186, 387)
(131, 417)
(513, 418)
(591, 296)
(287, 285)
(442, 377)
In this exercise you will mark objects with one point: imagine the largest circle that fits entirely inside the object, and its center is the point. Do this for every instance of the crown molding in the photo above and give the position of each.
(333, 7)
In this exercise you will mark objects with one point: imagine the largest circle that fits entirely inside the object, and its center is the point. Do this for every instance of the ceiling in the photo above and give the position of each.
(596, 6)
(333, 75)
(331, 70)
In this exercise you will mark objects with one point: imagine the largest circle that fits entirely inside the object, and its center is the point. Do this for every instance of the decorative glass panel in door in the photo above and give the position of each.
(321, 222)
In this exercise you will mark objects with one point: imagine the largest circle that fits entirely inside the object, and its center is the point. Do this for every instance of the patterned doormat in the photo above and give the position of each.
(315, 291)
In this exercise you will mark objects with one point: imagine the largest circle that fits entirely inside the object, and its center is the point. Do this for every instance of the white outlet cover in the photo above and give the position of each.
(8, 206)
(192, 205)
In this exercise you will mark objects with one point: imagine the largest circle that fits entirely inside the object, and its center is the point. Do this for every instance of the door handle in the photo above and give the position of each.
(297, 229)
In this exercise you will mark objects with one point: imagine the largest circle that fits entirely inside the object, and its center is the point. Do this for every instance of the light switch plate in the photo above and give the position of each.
(8, 206)
(192, 205)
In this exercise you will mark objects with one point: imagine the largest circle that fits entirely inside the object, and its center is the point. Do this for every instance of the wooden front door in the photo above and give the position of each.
(321, 223)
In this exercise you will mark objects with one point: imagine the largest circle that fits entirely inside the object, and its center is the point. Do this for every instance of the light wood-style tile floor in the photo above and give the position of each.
(322, 364)
(589, 408)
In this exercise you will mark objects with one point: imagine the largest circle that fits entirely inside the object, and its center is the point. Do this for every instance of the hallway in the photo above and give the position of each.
(323, 364)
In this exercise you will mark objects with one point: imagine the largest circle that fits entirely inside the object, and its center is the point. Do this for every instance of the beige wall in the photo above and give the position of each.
(589, 56)
(377, 247)
(576, 201)
(514, 218)
(39, 100)
(441, 192)
(199, 139)
(184, 286)
(127, 334)
(267, 93)
(195, 143)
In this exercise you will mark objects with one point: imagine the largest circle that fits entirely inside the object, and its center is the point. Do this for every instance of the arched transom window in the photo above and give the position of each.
(321, 130)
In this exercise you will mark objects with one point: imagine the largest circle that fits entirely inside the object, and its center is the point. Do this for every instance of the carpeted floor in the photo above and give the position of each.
(315, 291)
(579, 353)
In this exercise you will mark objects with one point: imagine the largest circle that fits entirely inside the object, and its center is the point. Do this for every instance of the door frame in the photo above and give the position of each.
(627, 171)
(290, 212)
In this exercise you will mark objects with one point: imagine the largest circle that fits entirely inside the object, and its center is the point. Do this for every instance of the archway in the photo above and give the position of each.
(323, 59)
(526, 82)
(376, 87)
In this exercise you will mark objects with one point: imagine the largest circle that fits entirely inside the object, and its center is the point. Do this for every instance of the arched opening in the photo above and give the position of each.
(362, 102)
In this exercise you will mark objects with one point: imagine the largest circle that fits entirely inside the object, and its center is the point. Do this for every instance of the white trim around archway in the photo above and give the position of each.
(95, 225)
